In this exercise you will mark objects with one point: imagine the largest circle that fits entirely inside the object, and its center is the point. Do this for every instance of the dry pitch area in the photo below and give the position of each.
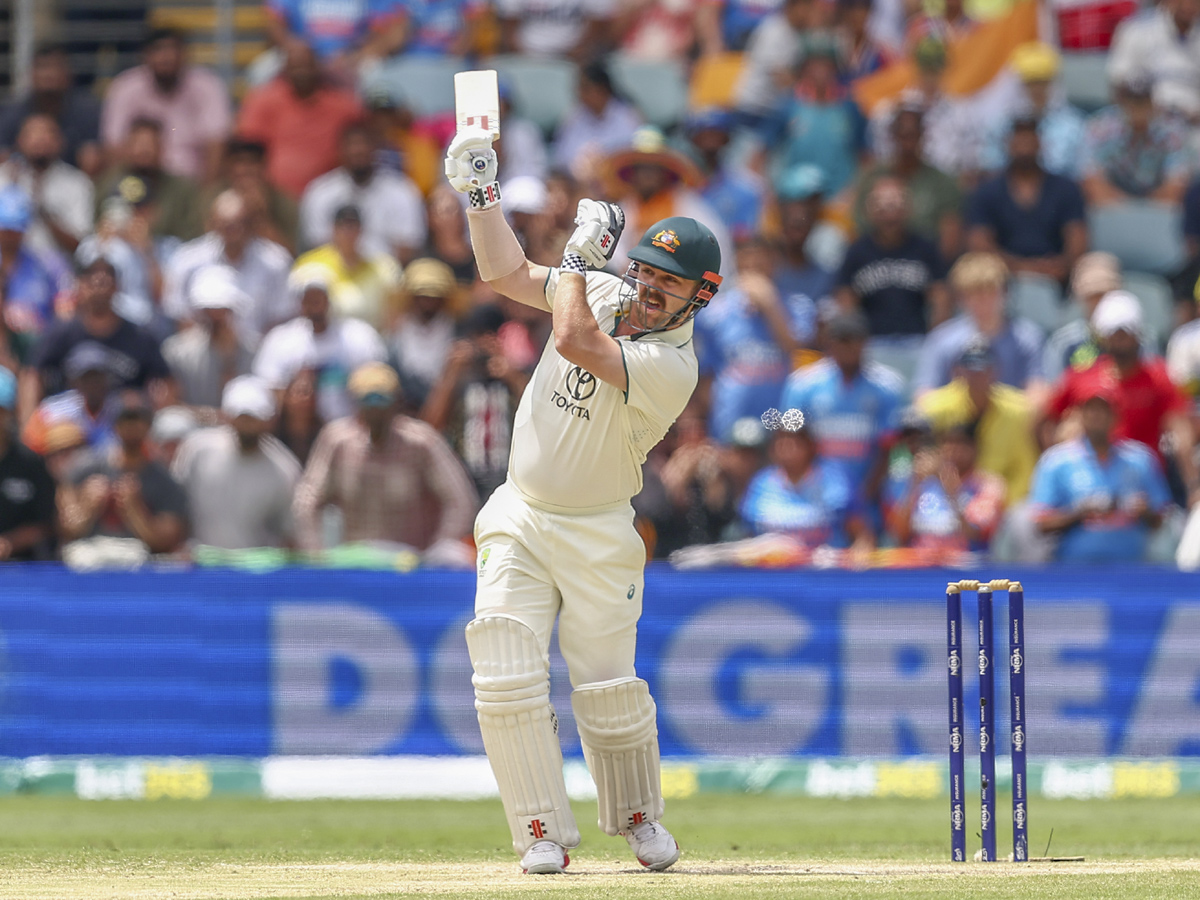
(735, 847)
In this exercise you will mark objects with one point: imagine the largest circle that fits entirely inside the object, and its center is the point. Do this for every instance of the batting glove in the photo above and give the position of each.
(471, 167)
(598, 229)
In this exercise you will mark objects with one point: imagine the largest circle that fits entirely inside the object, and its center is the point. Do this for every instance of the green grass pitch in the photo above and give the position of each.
(734, 847)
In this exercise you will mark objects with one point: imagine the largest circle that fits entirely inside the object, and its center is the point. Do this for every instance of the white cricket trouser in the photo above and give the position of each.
(586, 570)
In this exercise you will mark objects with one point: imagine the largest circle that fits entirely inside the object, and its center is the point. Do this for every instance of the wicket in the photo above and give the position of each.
(987, 716)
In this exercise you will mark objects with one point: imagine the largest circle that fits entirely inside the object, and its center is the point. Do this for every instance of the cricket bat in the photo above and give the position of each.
(477, 100)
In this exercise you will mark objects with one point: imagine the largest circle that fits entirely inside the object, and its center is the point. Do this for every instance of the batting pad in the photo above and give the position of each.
(520, 731)
(616, 722)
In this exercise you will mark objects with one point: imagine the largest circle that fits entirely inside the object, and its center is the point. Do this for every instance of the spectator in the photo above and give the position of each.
(29, 280)
(258, 266)
(343, 34)
(863, 54)
(655, 182)
(950, 506)
(934, 197)
(1060, 126)
(364, 286)
(1033, 218)
(319, 340)
(171, 425)
(852, 408)
(448, 240)
(580, 29)
(393, 477)
(393, 211)
(84, 404)
(1147, 404)
(299, 423)
(475, 399)
(52, 93)
(802, 496)
(733, 192)
(914, 435)
(299, 118)
(746, 340)
(65, 447)
(423, 335)
(407, 146)
(134, 359)
(191, 103)
(601, 123)
(895, 277)
(729, 24)
(205, 358)
(27, 505)
(1162, 42)
(121, 492)
(810, 249)
(773, 51)
(1099, 495)
(61, 194)
(661, 30)
(123, 237)
(698, 499)
(1000, 417)
(951, 25)
(15, 346)
(820, 124)
(444, 28)
(953, 135)
(1074, 345)
(274, 215)
(240, 481)
(1134, 149)
(980, 281)
(168, 203)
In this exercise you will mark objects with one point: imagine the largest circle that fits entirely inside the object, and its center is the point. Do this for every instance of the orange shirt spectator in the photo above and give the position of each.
(299, 119)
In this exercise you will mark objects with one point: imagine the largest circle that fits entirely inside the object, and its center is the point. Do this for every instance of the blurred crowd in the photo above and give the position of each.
(240, 325)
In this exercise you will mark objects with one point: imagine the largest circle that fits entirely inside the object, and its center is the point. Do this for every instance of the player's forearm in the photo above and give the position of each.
(501, 261)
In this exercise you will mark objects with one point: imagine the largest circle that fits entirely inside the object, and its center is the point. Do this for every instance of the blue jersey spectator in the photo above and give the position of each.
(30, 282)
(742, 348)
(739, 18)
(1102, 498)
(821, 124)
(440, 27)
(979, 281)
(734, 193)
(800, 495)
(335, 28)
(1034, 218)
(851, 406)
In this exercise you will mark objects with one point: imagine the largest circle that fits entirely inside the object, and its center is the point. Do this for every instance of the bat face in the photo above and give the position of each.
(477, 100)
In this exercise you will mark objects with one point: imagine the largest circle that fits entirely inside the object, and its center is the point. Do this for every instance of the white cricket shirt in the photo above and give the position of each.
(578, 442)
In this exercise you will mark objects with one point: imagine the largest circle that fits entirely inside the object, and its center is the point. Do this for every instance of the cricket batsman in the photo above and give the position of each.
(557, 540)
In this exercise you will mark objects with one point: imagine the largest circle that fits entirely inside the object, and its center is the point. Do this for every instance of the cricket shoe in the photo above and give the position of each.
(653, 846)
(545, 858)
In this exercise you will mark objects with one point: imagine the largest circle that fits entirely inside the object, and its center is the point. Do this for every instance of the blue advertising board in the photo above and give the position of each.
(742, 663)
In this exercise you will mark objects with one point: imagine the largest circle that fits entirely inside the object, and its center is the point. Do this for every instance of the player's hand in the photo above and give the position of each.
(471, 165)
(598, 229)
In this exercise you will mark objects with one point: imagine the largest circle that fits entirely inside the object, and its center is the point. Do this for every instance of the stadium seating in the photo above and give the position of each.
(1157, 302)
(658, 88)
(424, 83)
(1038, 299)
(1144, 236)
(1086, 81)
(543, 89)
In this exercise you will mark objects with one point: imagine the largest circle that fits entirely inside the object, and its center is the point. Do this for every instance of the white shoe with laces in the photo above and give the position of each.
(545, 858)
(653, 846)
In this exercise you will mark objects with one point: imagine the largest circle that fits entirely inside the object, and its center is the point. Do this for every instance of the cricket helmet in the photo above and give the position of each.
(686, 249)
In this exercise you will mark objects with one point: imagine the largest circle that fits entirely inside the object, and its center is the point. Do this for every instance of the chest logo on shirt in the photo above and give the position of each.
(580, 385)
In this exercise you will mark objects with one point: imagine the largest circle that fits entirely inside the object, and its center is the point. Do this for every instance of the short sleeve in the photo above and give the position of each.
(1046, 491)
(661, 378)
(1073, 204)
(1158, 495)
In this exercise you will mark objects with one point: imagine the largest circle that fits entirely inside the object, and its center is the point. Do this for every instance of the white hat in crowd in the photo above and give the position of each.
(216, 287)
(248, 395)
(1117, 311)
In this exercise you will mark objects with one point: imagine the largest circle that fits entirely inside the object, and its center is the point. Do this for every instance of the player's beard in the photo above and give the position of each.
(643, 316)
